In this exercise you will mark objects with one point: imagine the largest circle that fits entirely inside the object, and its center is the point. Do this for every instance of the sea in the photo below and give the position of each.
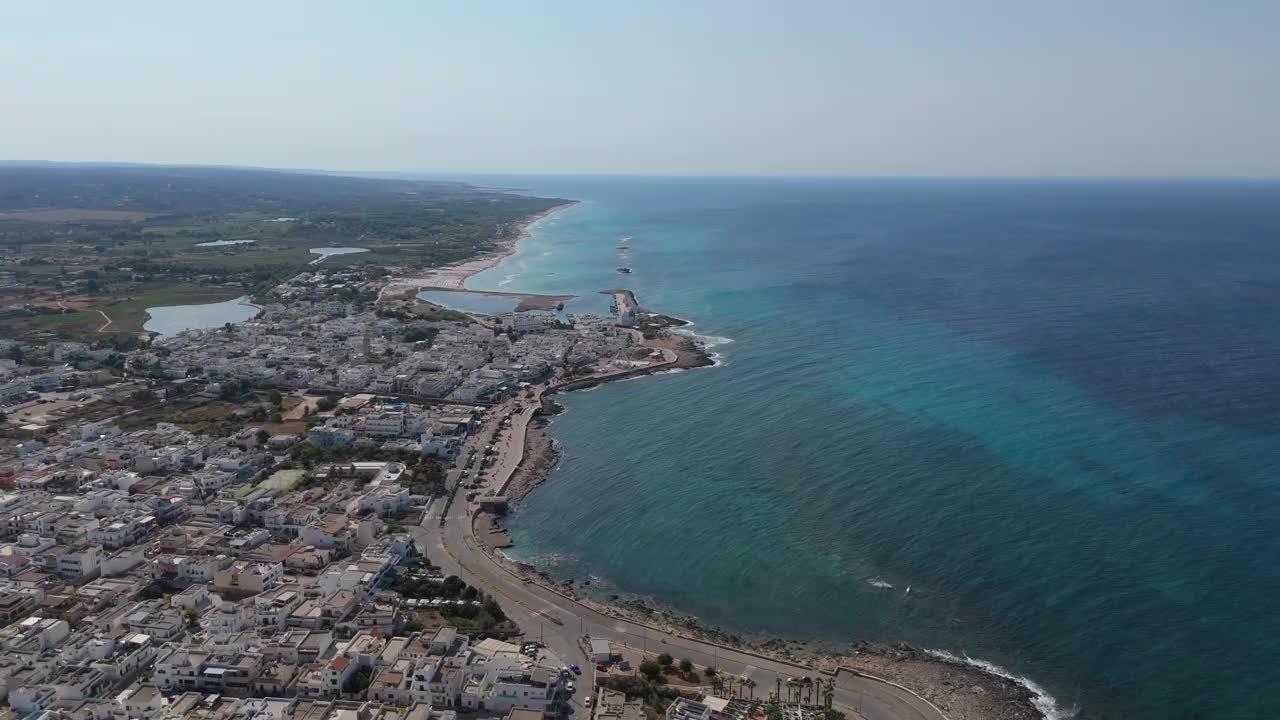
(1034, 423)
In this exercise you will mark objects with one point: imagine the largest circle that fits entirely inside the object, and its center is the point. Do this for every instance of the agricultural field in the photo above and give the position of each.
(84, 250)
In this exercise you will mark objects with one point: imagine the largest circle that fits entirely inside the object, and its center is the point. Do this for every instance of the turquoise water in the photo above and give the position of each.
(1046, 407)
(173, 319)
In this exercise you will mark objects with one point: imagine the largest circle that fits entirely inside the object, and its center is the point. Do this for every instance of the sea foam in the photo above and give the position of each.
(1043, 701)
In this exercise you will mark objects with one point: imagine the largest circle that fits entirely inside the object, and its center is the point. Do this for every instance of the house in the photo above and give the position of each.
(247, 577)
(601, 650)
(613, 705)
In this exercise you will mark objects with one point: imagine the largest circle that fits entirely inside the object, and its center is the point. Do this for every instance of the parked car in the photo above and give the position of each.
(574, 667)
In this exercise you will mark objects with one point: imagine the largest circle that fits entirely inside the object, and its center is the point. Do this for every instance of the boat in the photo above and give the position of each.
(624, 270)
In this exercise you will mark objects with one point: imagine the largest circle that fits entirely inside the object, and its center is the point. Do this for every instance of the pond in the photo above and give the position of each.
(220, 243)
(325, 252)
(173, 319)
(496, 304)
(474, 302)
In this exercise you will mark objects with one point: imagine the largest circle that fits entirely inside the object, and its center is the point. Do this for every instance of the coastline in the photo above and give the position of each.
(454, 277)
(961, 688)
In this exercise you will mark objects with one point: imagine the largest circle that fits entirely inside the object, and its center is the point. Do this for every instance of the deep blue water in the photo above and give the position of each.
(1050, 408)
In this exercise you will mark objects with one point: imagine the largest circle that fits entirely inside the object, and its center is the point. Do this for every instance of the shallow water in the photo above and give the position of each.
(220, 243)
(173, 319)
(327, 252)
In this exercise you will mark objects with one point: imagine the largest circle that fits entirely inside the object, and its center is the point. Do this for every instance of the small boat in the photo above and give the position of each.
(624, 270)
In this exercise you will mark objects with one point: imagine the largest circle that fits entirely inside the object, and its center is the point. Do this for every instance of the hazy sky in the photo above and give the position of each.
(950, 87)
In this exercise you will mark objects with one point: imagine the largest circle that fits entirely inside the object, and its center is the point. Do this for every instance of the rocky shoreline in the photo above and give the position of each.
(963, 691)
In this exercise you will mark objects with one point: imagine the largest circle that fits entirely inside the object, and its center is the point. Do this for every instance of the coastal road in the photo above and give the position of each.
(561, 623)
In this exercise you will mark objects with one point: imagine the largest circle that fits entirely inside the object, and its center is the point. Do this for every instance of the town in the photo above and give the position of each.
(229, 522)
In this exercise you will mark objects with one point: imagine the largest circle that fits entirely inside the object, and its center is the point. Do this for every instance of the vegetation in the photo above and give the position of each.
(478, 614)
(651, 669)
(84, 237)
(653, 694)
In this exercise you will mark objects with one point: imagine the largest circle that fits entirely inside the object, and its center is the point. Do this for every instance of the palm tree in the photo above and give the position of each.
(828, 693)
(751, 688)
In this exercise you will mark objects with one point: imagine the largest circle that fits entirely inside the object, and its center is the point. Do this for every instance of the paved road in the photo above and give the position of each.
(560, 623)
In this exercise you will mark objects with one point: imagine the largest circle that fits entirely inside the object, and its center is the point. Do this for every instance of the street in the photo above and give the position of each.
(560, 622)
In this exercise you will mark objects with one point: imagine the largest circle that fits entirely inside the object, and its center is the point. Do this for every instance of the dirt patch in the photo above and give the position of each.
(491, 532)
(296, 427)
(297, 408)
(540, 456)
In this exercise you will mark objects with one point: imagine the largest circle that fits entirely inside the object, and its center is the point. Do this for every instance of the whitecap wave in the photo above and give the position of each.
(706, 340)
(1043, 701)
(878, 583)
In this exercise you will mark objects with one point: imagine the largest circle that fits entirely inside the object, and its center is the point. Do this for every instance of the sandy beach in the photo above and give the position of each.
(454, 277)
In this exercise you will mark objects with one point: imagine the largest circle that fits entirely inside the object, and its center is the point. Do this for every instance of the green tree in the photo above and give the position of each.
(275, 398)
(686, 665)
(650, 669)
(192, 617)
(774, 712)
(709, 672)
(358, 683)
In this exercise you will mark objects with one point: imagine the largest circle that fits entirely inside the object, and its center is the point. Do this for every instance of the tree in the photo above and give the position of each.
(493, 609)
(709, 672)
(275, 398)
(774, 712)
(650, 669)
(665, 660)
(358, 683)
(686, 665)
(192, 616)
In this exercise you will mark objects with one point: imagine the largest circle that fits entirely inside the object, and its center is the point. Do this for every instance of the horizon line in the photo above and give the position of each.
(645, 175)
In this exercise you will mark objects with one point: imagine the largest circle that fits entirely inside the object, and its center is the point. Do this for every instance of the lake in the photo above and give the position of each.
(326, 252)
(173, 319)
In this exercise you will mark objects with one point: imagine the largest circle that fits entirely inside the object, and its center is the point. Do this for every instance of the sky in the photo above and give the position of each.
(1125, 88)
